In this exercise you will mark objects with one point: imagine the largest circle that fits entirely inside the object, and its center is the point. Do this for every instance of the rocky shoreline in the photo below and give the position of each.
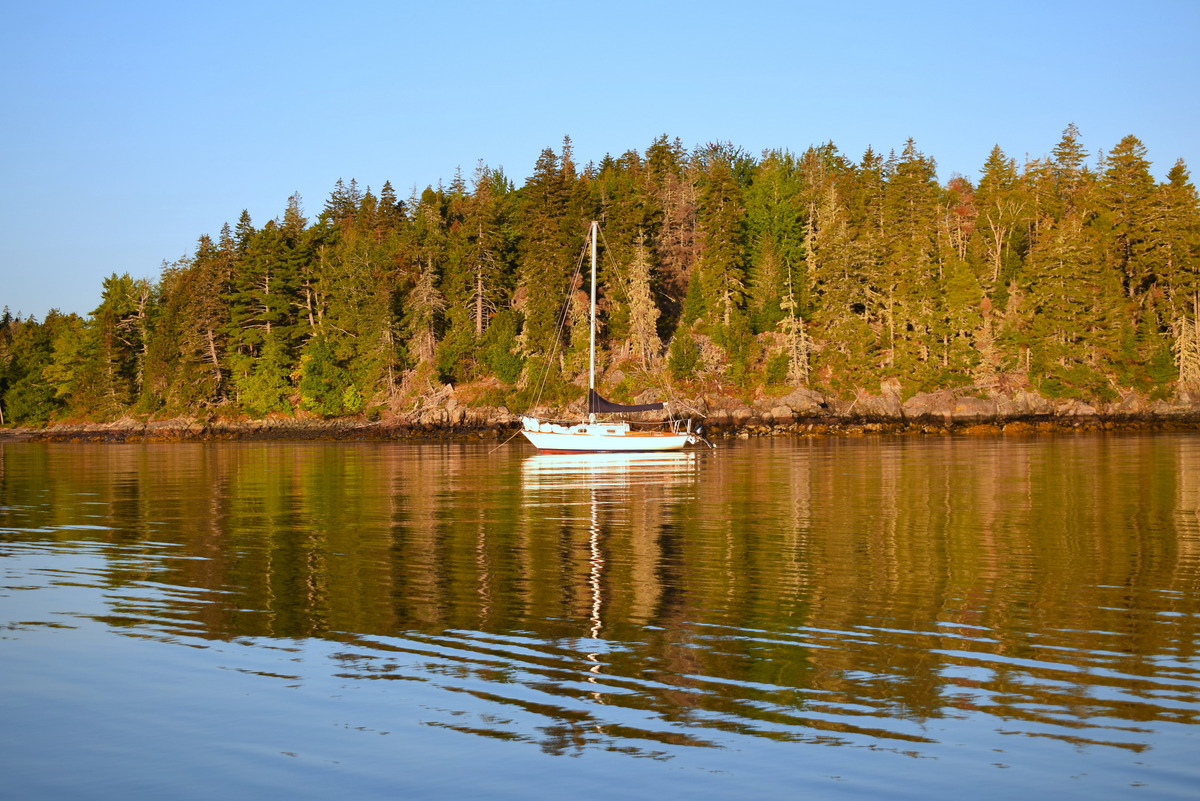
(802, 412)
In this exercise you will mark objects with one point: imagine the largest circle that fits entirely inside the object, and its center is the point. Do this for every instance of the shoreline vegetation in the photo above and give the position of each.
(801, 413)
(780, 292)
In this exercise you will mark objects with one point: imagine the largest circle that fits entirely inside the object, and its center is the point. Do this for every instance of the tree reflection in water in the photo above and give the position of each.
(894, 594)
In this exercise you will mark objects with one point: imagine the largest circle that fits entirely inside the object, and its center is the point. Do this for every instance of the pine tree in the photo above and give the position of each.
(26, 350)
(552, 231)
(1000, 226)
(1178, 208)
(112, 356)
(391, 211)
(1177, 238)
(721, 268)
(837, 267)
(1187, 348)
(265, 387)
(476, 281)
(64, 370)
(962, 309)
(323, 382)
(1127, 195)
(672, 194)
(1079, 320)
(902, 284)
(1071, 178)
(775, 217)
(262, 297)
(423, 306)
(184, 369)
(643, 312)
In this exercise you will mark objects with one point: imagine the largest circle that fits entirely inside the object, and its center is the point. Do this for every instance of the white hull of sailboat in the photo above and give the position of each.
(603, 438)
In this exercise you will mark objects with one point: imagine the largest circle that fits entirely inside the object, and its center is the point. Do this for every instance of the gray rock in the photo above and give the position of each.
(972, 409)
(803, 402)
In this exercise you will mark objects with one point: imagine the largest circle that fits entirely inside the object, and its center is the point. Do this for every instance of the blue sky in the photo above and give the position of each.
(131, 128)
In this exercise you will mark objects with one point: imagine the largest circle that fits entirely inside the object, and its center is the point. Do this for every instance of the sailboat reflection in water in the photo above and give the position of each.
(610, 433)
(608, 486)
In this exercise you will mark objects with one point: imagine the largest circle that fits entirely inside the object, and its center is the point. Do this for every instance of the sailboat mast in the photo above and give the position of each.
(592, 337)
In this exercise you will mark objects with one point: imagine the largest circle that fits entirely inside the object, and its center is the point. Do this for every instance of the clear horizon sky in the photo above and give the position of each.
(132, 128)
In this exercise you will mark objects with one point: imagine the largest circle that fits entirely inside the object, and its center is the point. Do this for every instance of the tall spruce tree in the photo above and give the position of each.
(722, 234)
(903, 282)
(553, 227)
(775, 228)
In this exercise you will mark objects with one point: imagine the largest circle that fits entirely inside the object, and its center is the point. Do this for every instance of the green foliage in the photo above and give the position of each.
(1070, 279)
(323, 382)
(693, 304)
(27, 394)
(545, 388)
(683, 355)
(1078, 381)
(352, 400)
(263, 386)
(776, 225)
(721, 267)
(740, 347)
(499, 346)
(776, 371)
(943, 379)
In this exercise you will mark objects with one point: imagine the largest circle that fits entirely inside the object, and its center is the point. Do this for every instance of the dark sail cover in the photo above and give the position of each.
(598, 405)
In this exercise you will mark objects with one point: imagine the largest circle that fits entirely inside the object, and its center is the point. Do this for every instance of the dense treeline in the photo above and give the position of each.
(1072, 278)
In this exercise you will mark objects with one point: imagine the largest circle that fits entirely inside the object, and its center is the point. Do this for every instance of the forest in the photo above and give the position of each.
(1070, 275)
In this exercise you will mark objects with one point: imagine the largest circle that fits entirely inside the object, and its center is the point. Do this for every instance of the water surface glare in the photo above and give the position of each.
(851, 618)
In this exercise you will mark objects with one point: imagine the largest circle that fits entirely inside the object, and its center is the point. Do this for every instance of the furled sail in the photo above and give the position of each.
(598, 405)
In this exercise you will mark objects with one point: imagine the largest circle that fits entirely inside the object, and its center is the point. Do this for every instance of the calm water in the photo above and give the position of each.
(870, 618)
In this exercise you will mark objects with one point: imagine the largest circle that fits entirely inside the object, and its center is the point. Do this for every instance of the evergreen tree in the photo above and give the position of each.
(1000, 225)
(903, 282)
(265, 388)
(391, 211)
(26, 349)
(424, 303)
(498, 347)
(775, 218)
(1071, 178)
(112, 355)
(721, 268)
(838, 267)
(960, 307)
(552, 226)
(260, 298)
(672, 194)
(1127, 194)
(243, 233)
(797, 344)
(184, 370)
(1079, 321)
(323, 382)
(643, 312)
(1178, 241)
(64, 371)
(477, 281)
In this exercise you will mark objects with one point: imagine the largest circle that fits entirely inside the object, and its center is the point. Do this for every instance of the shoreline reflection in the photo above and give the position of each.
(883, 594)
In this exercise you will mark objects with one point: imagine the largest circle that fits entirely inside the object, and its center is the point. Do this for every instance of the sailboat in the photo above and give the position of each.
(611, 433)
